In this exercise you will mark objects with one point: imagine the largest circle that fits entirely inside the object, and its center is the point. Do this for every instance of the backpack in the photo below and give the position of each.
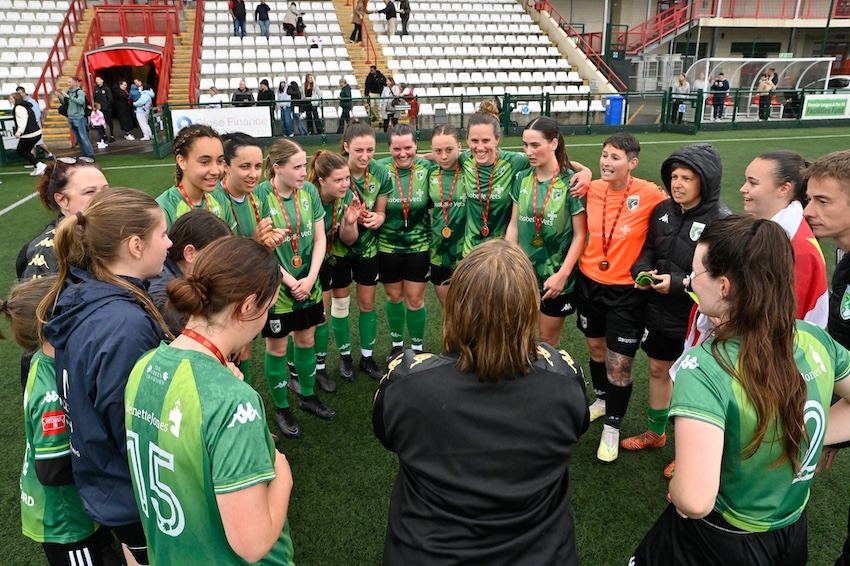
(63, 107)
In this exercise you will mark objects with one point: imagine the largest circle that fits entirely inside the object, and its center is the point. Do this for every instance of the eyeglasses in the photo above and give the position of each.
(69, 162)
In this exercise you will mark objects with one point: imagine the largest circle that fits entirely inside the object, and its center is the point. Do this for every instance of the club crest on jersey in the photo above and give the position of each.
(420, 174)
(633, 202)
(557, 194)
(275, 326)
(371, 188)
(696, 230)
(582, 320)
(845, 304)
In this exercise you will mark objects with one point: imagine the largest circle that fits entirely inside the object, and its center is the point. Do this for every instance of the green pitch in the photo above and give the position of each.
(343, 477)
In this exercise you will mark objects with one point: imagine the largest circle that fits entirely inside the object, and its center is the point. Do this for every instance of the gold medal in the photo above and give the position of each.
(297, 261)
(485, 230)
(604, 265)
(447, 232)
(537, 241)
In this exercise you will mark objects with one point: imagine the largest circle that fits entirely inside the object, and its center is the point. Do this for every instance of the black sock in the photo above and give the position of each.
(617, 403)
(599, 378)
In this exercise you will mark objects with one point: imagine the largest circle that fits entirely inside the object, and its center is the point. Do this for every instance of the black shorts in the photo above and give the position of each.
(326, 276)
(87, 552)
(414, 267)
(361, 271)
(281, 325)
(440, 275)
(133, 536)
(662, 347)
(560, 306)
(711, 541)
(615, 312)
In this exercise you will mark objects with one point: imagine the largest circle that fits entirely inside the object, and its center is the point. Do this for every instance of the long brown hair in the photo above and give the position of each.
(548, 128)
(20, 308)
(91, 241)
(756, 256)
(323, 164)
(492, 312)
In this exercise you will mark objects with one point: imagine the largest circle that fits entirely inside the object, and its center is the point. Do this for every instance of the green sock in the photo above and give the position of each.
(342, 334)
(368, 327)
(658, 420)
(322, 335)
(277, 375)
(305, 366)
(245, 368)
(395, 320)
(416, 327)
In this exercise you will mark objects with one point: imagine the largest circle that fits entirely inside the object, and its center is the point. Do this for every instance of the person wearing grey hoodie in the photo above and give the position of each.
(692, 176)
(143, 108)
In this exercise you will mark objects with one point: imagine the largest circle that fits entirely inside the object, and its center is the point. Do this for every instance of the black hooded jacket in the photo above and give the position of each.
(673, 235)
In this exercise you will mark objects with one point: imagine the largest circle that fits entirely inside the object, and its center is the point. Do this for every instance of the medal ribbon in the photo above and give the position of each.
(405, 207)
(333, 225)
(485, 211)
(189, 201)
(205, 342)
(607, 244)
(443, 204)
(293, 234)
(254, 207)
(538, 222)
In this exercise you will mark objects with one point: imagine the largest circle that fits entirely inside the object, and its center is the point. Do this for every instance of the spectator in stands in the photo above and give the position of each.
(103, 95)
(27, 130)
(700, 83)
(404, 10)
(771, 74)
(719, 88)
(345, 105)
(284, 105)
(375, 83)
(314, 96)
(297, 107)
(36, 109)
(390, 12)
(261, 16)
(389, 101)
(242, 95)
(238, 13)
(214, 101)
(98, 122)
(121, 105)
(409, 99)
(77, 115)
(264, 95)
(765, 90)
(357, 16)
(678, 105)
(290, 20)
(143, 108)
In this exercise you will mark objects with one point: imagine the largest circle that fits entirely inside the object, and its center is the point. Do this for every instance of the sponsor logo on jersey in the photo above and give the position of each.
(696, 230)
(50, 397)
(175, 416)
(845, 304)
(633, 202)
(244, 414)
(53, 422)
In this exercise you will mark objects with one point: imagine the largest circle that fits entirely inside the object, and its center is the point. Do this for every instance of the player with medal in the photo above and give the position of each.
(448, 215)
(610, 309)
(548, 223)
(329, 173)
(294, 205)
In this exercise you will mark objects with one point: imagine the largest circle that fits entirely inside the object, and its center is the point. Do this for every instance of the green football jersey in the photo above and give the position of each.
(477, 180)
(374, 183)
(175, 206)
(194, 431)
(755, 494)
(446, 252)
(247, 212)
(48, 514)
(334, 212)
(556, 228)
(411, 235)
(309, 211)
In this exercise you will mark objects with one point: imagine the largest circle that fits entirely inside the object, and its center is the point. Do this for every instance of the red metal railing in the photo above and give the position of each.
(52, 73)
(167, 60)
(657, 28)
(366, 41)
(138, 21)
(195, 71)
(594, 56)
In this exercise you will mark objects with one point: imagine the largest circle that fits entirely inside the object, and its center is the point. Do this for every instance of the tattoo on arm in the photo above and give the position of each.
(619, 368)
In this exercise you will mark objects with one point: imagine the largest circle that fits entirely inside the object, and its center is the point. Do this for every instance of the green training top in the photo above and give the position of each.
(503, 170)
(245, 212)
(755, 495)
(310, 211)
(334, 212)
(48, 514)
(446, 252)
(194, 431)
(175, 206)
(556, 228)
(374, 182)
(397, 236)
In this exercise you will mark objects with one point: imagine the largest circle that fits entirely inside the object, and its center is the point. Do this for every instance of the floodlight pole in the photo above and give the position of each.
(826, 29)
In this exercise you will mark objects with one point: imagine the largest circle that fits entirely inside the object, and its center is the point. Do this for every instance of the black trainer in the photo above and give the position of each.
(287, 424)
(368, 365)
(394, 353)
(312, 404)
(346, 367)
(325, 381)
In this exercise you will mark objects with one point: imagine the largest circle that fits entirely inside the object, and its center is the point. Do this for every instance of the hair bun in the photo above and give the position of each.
(199, 288)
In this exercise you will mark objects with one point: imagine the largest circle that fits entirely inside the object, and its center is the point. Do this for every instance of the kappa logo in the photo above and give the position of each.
(281, 385)
(633, 202)
(50, 397)
(690, 362)
(175, 416)
(567, 307)
(275, 326)
(665, 219)
(645, 335)
(244, 414)
(696, 230)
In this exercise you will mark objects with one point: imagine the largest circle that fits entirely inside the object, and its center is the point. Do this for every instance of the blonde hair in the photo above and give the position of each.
(492, 312)
(279, 153)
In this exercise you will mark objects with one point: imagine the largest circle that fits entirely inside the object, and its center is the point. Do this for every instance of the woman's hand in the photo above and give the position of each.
(581, 182)
(663, 284)
(232, 367)
(301, 289)
(554, 286)
(242, 355)
(372, 220)
(353, 211)
(267, 236)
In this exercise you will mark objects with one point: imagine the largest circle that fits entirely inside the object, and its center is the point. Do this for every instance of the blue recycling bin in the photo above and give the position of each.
(614, 107)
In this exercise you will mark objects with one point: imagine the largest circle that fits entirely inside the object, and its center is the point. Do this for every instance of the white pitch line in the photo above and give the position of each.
(17, 204)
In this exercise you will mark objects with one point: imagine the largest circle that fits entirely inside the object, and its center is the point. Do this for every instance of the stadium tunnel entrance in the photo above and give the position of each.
(125, 61)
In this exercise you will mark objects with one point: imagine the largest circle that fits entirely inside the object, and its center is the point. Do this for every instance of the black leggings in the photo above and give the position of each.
(25, 146)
